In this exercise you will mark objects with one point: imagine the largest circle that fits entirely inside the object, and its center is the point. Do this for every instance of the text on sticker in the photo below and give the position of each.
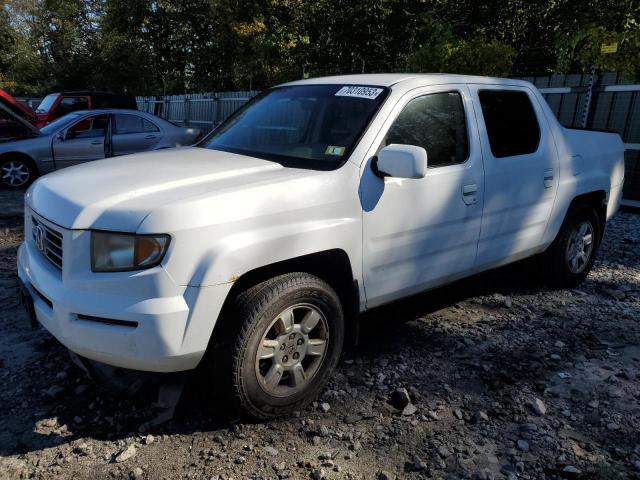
(359, 92)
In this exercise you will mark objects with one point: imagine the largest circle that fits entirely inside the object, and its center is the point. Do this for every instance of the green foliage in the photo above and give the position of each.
(176, 46)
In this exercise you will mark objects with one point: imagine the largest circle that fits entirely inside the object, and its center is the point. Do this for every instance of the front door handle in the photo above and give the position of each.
(548, 178)
(469, 193)
(150, 137)
(97, 142)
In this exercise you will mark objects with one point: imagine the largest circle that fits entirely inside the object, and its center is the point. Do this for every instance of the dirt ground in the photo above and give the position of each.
(492, 377)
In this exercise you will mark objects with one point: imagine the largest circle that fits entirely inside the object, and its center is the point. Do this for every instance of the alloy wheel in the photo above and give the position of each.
(292, 350)
(14, 173)
(580, 247)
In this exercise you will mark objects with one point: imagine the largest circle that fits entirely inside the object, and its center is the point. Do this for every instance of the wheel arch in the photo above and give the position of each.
(596, 200)
(333, 266)
(24, 156)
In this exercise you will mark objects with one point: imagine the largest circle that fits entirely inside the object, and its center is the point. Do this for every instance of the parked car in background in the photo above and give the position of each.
(15, 117)
(84, 136)
(56, 105)
(254, 253)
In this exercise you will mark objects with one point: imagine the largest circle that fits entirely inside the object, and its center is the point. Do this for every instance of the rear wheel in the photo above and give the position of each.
(288, 338)
(571, 256)
(16, 172)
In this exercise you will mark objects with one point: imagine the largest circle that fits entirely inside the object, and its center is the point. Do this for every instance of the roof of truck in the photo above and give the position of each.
(389, 79)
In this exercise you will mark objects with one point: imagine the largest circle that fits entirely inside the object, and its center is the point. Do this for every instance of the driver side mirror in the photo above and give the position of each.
(401, 161)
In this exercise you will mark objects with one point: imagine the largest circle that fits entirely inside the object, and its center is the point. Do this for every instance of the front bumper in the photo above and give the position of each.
(159, 326)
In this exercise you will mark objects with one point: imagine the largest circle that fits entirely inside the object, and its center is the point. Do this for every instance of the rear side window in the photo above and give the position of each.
(437, 123)
(511, 122)
(71, 104)
(126, 123)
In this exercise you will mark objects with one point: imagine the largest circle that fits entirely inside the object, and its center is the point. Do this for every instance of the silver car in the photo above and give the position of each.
(84, 136)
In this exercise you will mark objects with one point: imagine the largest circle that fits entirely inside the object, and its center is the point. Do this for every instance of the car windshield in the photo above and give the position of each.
(46, 103)
(308, 126)
(56, 125)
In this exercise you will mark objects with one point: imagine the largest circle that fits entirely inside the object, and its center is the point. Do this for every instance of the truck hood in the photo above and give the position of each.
(118, 193)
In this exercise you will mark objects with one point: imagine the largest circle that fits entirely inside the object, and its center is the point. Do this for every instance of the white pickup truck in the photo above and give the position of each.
(252, 254)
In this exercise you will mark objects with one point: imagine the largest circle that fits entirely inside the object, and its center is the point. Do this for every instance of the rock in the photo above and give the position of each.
(240, 460)
(323, 431)
(432, 415)
(400, 398)
(481, 416)
(386, 475)
(409, 410)
(458, 413)
(148, 440)
(325, 407)
(523, 445)
(137, 473)
(317, 474)
(443, 452)
(55, 391)
(538, 406)
(270, 450)
(418, 463)
(316, 440)
(571, 469)
(126, 454)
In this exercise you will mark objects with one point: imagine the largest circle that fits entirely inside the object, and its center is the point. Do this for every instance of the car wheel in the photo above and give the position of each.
(16, 172)
(289, 333)
(571, 256)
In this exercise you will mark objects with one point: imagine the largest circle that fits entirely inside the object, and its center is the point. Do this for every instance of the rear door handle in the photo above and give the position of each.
(469, 192)
(97, 142)
(150, 137)
(548, 178)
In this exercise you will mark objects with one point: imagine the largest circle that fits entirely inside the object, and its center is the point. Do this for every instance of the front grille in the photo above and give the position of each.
(51, 242)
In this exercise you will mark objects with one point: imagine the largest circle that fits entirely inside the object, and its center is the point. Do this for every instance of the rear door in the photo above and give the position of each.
(133, 133)
(81, 142)
(420, 233)
(521, 173)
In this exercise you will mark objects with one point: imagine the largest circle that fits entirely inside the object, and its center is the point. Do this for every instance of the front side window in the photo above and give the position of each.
(437, 123)
(511, 122)
(129, 123)
(308, 126)
(94, 126)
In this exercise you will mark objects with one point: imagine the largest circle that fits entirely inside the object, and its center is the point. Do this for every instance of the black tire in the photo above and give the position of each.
(254, 315)
(16, 172)
(557, 266)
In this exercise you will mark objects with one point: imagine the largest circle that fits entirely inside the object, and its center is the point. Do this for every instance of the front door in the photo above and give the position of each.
(81, 142)
(420, 233)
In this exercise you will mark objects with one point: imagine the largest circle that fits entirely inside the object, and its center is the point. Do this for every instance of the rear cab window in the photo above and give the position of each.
(511, 122)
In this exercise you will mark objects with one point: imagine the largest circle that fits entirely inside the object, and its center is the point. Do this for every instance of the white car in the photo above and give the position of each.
(318, 200)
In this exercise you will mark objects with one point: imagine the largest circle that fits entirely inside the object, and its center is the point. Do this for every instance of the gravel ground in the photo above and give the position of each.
(492, 377)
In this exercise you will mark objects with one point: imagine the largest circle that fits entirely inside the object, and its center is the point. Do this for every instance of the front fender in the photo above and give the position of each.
(231, 257)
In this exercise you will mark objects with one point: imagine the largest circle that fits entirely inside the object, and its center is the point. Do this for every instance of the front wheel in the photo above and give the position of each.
(571, 256)
(289, 333)
(16, 173)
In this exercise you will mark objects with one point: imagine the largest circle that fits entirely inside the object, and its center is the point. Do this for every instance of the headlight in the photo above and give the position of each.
(119, 252)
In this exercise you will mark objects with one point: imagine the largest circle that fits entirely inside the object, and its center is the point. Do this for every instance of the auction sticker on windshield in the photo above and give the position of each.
(360, 92)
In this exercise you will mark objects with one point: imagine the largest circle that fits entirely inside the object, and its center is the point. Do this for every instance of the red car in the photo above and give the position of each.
(19, 108)
(56, 105)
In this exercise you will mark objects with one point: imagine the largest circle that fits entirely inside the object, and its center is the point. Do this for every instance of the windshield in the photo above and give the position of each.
(314, 126)
(56, 125)
(47, 103)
